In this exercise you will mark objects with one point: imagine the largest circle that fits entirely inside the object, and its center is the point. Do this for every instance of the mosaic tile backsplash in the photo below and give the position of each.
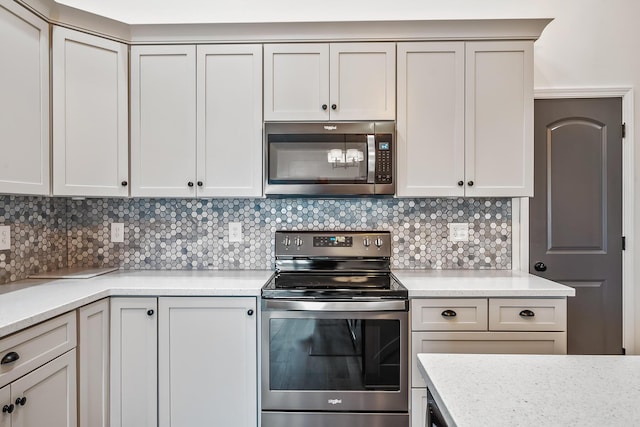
(193, 233)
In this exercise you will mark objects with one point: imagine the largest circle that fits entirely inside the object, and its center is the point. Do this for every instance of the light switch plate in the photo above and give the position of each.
(458, 231)
(117, 232)
(235, 232)
(5, 237)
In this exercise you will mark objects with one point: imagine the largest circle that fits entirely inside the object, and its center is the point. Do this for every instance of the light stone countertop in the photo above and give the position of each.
(479, 283)
(534, 390)
(25, 303)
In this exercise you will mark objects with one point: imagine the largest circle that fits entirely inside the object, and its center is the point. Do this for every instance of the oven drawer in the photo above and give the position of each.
(344, 419)
(454, 314)
(527, 314)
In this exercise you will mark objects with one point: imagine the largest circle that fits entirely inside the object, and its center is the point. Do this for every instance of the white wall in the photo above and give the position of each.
(590, 44)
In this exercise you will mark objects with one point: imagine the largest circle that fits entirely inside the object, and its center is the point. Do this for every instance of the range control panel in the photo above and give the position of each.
(333, 243)
(384, 159)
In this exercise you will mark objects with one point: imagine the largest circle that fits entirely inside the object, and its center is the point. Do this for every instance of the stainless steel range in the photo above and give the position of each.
(334, 333)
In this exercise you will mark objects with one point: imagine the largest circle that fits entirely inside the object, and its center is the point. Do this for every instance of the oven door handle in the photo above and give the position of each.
(297, 305)
(371, 157)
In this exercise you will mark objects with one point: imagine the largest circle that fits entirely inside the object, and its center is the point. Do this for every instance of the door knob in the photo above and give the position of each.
(540, 266)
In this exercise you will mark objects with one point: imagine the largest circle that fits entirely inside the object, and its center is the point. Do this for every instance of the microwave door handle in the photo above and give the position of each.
(371, 157)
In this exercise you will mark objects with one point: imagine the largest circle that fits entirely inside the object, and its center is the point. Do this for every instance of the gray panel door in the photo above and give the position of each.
(576, 215)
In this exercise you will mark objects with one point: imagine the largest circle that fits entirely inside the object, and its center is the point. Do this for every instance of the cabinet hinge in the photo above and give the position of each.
(624, 243)
(624, 130)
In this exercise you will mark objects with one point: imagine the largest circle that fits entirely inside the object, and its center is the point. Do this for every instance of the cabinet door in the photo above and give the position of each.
(24, 103)
(363, 81)
(208, 362)
(296, 82)
(134, 362)
(229, 121)
(419, 407)
(163, 121)
(499, 119)
(93, 369)
(430, 126)
(90, 115)
(50, 393)
(5, 406)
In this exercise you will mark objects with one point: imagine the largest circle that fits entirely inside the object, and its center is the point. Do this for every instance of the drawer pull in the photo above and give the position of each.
(449, 313)
(527, 313)
(9, 358)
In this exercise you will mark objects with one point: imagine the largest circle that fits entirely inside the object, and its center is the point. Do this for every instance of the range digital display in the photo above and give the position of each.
(333, 241)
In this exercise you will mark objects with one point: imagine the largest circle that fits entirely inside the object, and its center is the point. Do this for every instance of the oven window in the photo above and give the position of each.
(317, 162)
(334, 354)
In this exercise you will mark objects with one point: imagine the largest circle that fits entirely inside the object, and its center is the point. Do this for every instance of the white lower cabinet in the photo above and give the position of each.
(134, 362)
(482, 325)
(207, 362)
(184, 361)
(93, 364)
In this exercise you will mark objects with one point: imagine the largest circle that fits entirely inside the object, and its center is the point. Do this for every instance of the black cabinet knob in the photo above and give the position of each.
(470, 183)
(527, 313)
(200, 183)
(190, 183)
(21, 401)
(540, 266)
(124, 183)
(460, 183)
(150, 312)
(334, 106)
(10, 357)
(7, 409)
(250, 312)
(324, 106)
(449, 313)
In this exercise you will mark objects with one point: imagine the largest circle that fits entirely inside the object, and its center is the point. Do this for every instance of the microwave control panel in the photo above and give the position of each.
(384, 159)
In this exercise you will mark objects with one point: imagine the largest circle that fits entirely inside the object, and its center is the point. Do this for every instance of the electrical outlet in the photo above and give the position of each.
(235, 232)
(458, 231)
(5, 237)
(117, 232)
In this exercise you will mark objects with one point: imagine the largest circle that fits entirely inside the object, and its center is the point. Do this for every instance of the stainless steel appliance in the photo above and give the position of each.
(334, 333)
(311, 159)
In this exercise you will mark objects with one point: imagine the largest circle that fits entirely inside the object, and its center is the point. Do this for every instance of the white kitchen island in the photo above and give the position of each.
(534, 390)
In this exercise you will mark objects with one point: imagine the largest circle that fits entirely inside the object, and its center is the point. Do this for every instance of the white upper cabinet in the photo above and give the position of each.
(24, 101)
(430, 126)
(337, 81)
(499, 119)
(465, 116)
(196, 121)
(229, 148)
(163, 121)
(90, 115)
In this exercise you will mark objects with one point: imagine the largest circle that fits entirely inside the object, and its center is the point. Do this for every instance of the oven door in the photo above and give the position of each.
(328, 360)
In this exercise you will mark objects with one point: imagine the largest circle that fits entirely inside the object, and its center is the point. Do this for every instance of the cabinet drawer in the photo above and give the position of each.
(449, 314)
(528, 314)
(36, 346)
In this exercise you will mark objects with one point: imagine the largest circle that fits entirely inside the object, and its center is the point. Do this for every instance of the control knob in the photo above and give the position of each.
(378, 242)
(298, 241)
(286, 241)
(366, 242)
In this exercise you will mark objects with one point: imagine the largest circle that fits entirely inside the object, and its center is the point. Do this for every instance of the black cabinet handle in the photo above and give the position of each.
(190, 183)
(21, 401)
(200, 183)
(540, 266)
(324, 106)
(449, 313)
(9, 358)
(7, 409)
(460, 183)
(124, 183)
(334, 106)
(250, 312)
(150, 312)
(527, 313)
(470, 183)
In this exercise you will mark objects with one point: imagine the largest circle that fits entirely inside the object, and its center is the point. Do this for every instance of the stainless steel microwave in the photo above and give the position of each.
(329, 159)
